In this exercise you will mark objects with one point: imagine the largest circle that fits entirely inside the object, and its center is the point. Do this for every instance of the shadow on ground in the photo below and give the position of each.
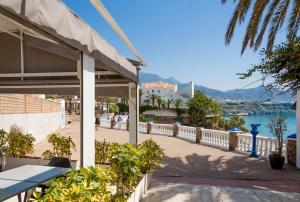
(236, 167)
(181, 192)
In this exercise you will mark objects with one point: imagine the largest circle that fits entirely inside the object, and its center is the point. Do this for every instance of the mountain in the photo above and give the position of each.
(257, 93)
(148, 77)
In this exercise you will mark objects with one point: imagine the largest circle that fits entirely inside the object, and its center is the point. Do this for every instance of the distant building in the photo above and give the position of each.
(168, 92)
(188, 90)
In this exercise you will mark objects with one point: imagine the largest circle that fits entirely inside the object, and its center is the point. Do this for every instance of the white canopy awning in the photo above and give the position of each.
(53, 20)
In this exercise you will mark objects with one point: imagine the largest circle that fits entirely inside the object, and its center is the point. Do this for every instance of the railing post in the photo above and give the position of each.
(175, 130)
(112, 123)
(198, 135)
(291, 150)
(127, 125)
(149, 128)
(233, 139)
(254, 133)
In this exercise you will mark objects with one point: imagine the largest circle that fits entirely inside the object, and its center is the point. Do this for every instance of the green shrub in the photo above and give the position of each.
(143, 118)
(86, 184)
(113, 109)
(145, 108)
(3, 138)
(102, 152)
(151, 155)
(61, 146)
(125, 165)
(181, 111)
(123, 107)
(18, 144)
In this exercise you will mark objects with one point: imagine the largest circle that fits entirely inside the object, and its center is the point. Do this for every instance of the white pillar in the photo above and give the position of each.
(87, 111)
(298, 129)
(133, 103)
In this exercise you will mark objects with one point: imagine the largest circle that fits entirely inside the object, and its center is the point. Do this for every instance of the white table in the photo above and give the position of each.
(15, 181)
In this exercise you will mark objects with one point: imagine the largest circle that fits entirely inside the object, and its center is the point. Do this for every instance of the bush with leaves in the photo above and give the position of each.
(102, 152)
(18, 144)
(61, 146)
(125, 164)
(203, 110)
(85, 184)
(234, 122)
(150, 155)
(3, 138)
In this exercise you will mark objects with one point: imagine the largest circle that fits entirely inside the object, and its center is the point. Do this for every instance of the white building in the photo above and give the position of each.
(167, 91)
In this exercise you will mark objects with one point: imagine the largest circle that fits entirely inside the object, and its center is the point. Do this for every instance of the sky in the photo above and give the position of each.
(183, 39)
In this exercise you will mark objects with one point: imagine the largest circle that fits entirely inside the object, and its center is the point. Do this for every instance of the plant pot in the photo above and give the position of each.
(276, 161)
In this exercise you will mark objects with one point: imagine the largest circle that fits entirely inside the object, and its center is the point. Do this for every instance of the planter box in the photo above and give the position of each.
(141, 188)
(14, 162)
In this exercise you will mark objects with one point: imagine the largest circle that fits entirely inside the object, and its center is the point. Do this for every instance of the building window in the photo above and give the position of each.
(152, 91)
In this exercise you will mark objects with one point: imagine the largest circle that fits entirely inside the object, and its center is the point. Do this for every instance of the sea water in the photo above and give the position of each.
(264, 119)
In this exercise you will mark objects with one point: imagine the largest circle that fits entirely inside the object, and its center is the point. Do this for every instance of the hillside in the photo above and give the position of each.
(258, 93)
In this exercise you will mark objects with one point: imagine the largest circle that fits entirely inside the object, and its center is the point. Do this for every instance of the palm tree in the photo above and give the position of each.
(178, 103)
(153, 98)
(159, 101)
(272, 14)
(169, 102)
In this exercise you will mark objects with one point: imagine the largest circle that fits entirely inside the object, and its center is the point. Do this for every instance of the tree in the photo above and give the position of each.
(280, 68)
(275, 11)
(153, 98)
(235, 122)
(202, 109)
(278, 128)
(159, 101)
(169, 102)
(177, 103)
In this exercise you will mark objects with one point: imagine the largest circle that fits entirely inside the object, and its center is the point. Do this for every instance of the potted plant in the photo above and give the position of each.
(277, 127)
(85, 184)
(61, 147)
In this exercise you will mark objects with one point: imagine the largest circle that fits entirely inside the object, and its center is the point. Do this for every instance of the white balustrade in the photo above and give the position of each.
(162, 129)
(187, 133)
(215, 138)
(244, 144)
(121, 125)
(104, 123)
(143, 127)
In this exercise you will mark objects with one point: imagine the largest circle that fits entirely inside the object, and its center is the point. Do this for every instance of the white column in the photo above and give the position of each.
(298, 129)
(87, 111)
(133, 103)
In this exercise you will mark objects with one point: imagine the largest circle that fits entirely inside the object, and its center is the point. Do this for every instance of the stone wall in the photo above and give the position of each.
(37, 124)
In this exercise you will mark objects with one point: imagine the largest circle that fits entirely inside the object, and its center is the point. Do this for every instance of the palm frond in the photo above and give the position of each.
(266, 22)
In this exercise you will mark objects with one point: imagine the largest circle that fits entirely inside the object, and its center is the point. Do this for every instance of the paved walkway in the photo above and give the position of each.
(187, 165)
(177, 192)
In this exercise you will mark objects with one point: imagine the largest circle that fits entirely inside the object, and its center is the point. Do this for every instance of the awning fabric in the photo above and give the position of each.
(58, 20)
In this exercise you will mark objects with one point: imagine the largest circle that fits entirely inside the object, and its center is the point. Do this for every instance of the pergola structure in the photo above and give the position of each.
(46, 49)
